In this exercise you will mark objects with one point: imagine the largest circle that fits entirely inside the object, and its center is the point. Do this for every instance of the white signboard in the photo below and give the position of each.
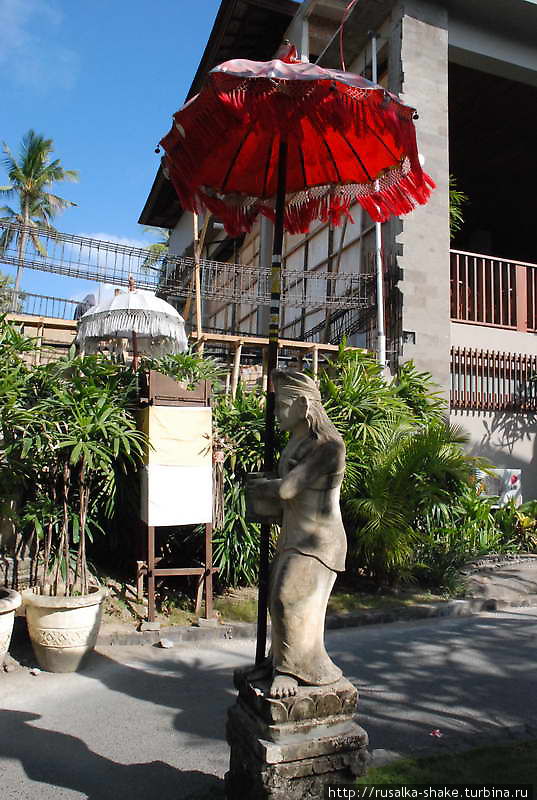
(176, 480)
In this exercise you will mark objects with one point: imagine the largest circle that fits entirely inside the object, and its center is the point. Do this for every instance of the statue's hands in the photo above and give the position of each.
(262, 498)
(264, 485)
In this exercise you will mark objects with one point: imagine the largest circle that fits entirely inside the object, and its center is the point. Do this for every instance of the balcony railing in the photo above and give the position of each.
(38, 305)
(491, 291)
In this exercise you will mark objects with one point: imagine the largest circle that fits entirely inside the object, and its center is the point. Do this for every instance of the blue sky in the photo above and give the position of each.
(102, 79)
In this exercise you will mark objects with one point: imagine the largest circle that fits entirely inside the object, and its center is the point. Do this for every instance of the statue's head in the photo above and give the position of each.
(296, 396)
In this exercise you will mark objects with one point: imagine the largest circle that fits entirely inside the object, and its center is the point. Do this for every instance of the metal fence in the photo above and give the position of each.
(38, 305)
(493, 380)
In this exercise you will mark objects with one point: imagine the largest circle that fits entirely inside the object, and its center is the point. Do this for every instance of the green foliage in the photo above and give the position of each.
(158, 251)
(190, 368)
(505, 764)
(403, 461)
(457, 201)
(236, 544)
(465, 530)
(6, 293)
(67, 433)
(410, 501)
(414, 473)
(518, 525)
(239, 426)
(31, 177)
(415, 390)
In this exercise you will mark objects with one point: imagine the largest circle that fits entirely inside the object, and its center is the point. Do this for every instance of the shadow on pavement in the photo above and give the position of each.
(62, 760)
(471, 678)
(200, 694)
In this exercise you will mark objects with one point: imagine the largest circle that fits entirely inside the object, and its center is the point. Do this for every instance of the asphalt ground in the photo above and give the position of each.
(144, 722)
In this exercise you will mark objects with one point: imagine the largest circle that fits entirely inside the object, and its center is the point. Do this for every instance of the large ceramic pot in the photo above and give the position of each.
(63, 630)
(10, 600)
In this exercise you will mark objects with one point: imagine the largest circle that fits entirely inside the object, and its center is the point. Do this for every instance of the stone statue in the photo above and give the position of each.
(312, 544)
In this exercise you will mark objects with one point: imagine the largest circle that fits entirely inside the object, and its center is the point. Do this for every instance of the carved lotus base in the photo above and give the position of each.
(63, 630)
(291, 748)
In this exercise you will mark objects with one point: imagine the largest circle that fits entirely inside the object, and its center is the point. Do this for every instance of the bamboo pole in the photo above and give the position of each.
(236, 369)
(315, 365)
(197, 270)
(199, 243)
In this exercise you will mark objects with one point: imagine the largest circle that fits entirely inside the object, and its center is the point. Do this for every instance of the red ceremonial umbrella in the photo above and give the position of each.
(295, 142)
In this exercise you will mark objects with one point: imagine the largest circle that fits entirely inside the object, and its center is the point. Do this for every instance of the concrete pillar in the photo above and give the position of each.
(425, 232)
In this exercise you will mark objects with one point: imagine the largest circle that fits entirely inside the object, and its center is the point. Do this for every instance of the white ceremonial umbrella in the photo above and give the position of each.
(153, 326)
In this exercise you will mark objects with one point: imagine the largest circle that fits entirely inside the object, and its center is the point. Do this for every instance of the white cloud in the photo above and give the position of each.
(110, 237)
(102, 263)
(30, 51)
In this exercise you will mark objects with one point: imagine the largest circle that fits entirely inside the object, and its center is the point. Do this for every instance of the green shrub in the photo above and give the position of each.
(239, 426)
(404, 462)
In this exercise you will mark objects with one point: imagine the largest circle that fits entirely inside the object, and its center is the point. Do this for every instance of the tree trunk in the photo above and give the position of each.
(23, 237)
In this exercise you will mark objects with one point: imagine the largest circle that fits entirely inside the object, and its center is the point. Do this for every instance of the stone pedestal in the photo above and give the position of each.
(290, 749)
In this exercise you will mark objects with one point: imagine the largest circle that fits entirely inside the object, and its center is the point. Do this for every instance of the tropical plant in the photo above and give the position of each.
(518, 525)
(31, 177)
(190, 368)
(239, 425)
(361, 404)
(6, 293)
(457, 201)
(415, 473)
(465, 530)
(67, 433)
(415, 390)
(157, 252)
(403, 460)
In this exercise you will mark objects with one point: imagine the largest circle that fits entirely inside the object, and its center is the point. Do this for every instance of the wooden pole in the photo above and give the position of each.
(134, 351)
(315, 365)
(197, 281)
(199, 242)
(39, 344)
(236, 369)
(209, 612)
(264, 379)
(151, 573)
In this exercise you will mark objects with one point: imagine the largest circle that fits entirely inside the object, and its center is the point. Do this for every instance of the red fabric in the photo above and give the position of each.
(344, 134)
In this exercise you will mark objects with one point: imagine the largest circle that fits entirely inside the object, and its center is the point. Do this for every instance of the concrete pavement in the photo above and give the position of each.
(143, 722)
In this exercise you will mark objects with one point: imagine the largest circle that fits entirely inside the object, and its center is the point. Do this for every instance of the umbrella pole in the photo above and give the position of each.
(274, 325)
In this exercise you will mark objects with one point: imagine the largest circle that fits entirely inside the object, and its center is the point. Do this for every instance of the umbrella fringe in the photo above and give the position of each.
(399, 194)
(121, 323)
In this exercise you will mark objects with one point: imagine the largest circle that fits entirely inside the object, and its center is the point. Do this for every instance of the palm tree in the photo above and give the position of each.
(31, 177)
(157, 252)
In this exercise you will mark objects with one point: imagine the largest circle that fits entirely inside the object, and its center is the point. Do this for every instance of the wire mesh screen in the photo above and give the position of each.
(109, 262)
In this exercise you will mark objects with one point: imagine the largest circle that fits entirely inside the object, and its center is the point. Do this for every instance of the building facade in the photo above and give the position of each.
(465, 308)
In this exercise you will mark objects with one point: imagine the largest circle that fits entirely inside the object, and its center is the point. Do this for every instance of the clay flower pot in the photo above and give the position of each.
(10, 600)
(63, 630)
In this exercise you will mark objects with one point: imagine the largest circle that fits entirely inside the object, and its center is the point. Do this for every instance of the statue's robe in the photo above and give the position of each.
(311, 551)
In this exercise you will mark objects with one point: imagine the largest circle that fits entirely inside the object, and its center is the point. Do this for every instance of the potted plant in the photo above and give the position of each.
(10, 600)
(67, 433)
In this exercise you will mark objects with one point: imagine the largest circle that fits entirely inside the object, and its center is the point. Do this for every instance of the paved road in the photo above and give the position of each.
(143, 722)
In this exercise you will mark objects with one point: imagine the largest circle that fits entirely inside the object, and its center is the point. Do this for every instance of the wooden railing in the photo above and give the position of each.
(493, 291)
(493, 380)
